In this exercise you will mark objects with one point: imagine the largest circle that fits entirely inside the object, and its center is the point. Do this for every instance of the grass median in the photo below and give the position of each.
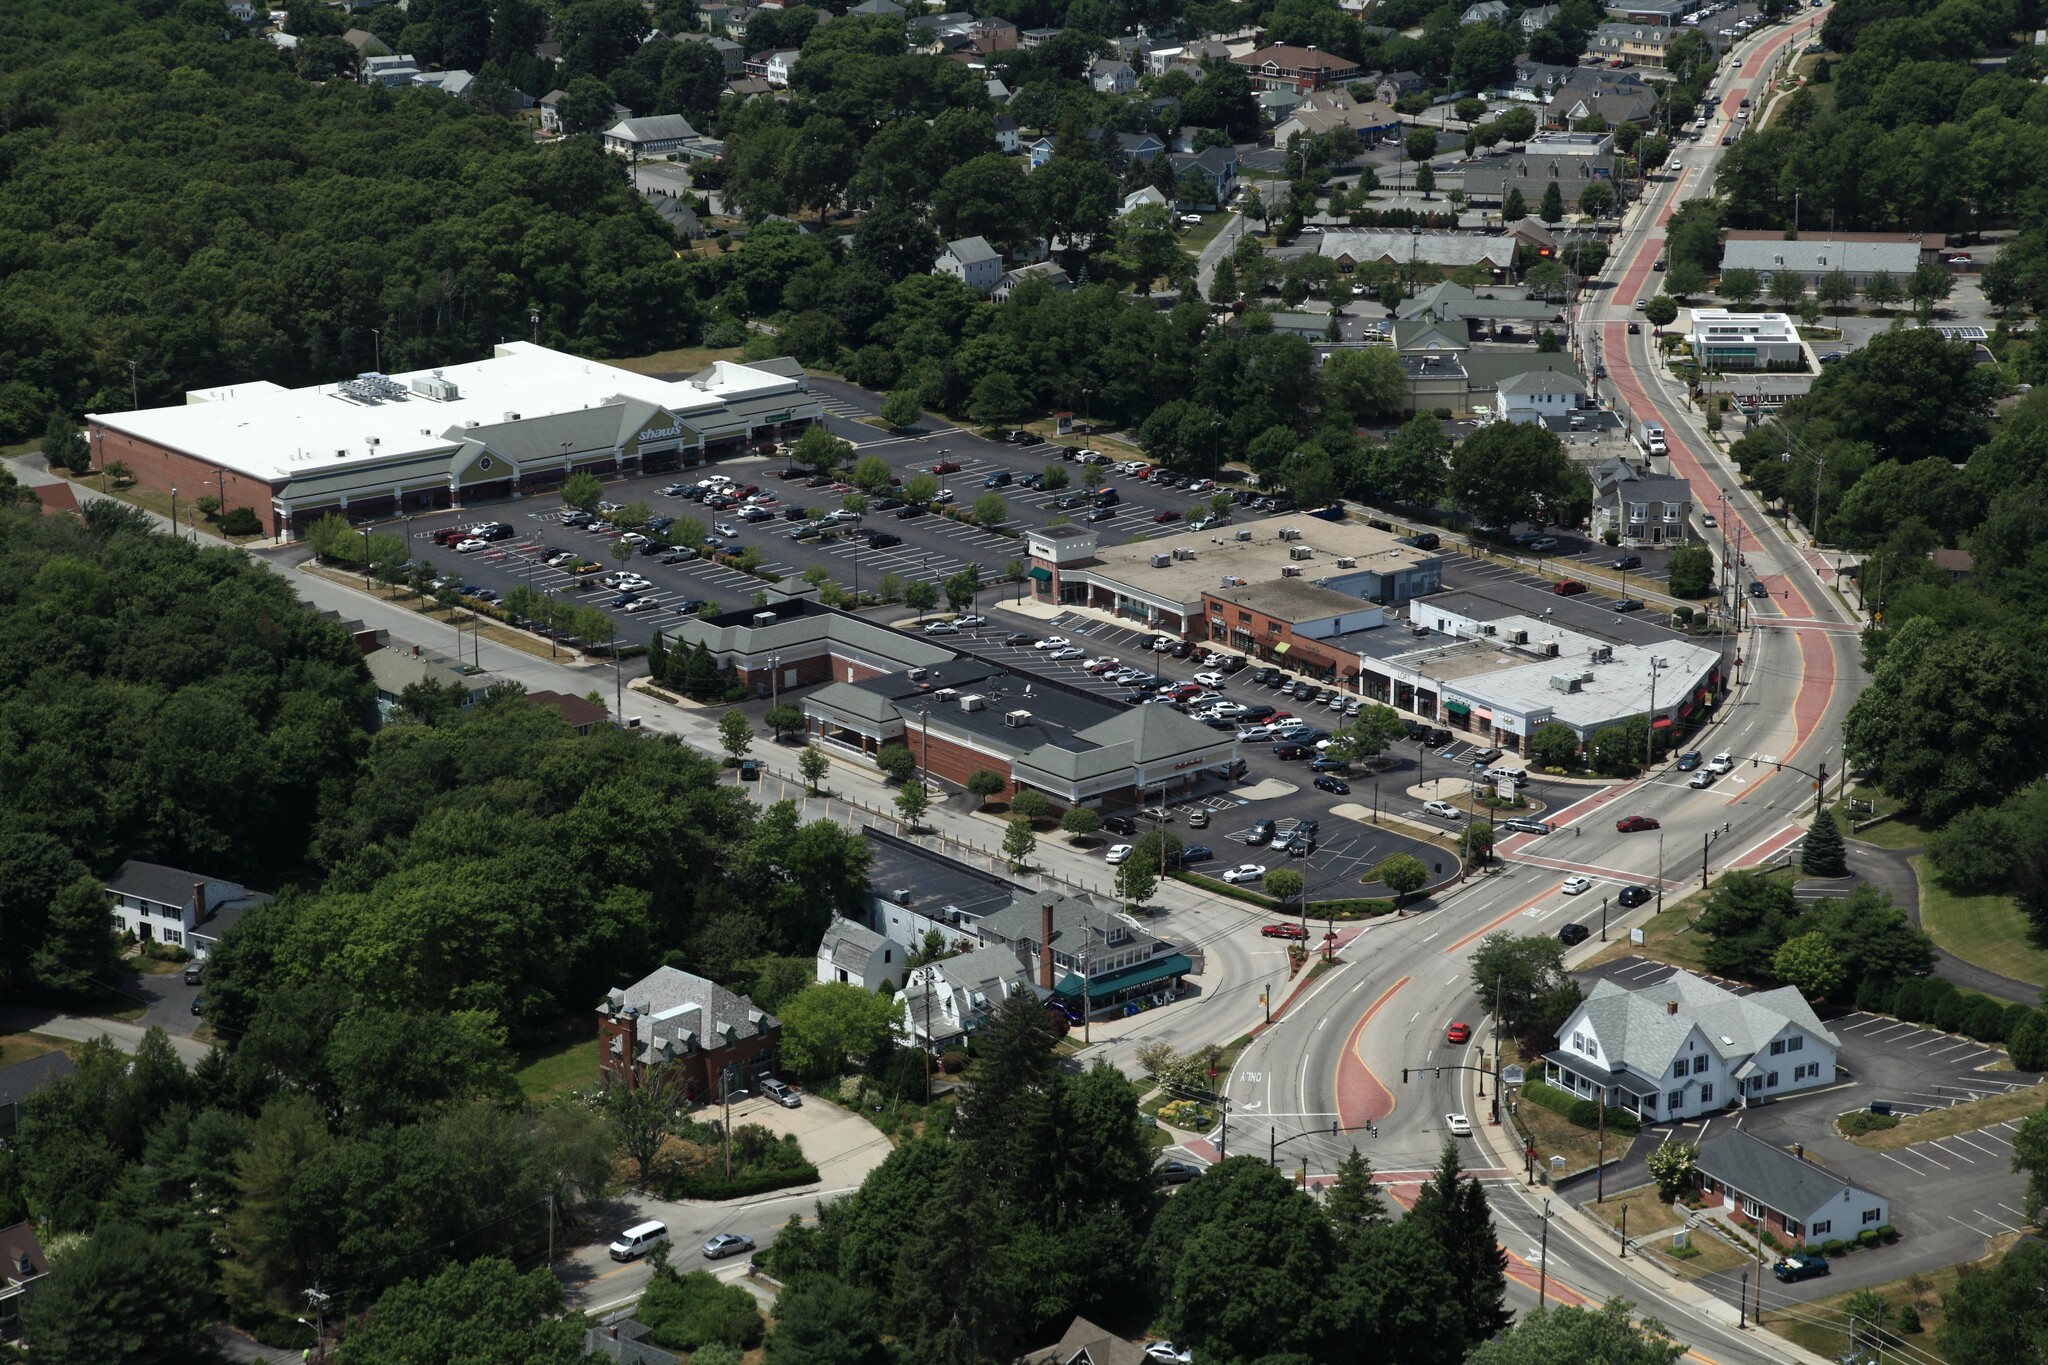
(1988, 930)
(1960, 1118)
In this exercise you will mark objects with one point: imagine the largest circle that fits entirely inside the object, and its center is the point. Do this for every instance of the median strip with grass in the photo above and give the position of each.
(1988, 931)
(1957, 1119)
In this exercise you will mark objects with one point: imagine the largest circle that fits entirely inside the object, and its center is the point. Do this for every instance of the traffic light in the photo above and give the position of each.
(1439, 1073)
(1404, 1075)
(1375, 1128)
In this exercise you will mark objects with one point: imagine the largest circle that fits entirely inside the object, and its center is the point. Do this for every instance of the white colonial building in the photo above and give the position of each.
(1686, 1047)
(854, 955)
(945, 1001)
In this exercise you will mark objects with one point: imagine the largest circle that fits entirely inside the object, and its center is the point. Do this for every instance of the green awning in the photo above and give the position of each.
(1282, 647)
(1042, 575)
(1144, 974)
(1457, 708)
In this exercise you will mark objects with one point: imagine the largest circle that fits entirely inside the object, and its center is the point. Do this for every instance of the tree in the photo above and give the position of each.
(1508, 472)
(1927, 286)
(1375, 729)
(1425, 179)
(963, 587)
(1685, 279)
(641, 1119)
(903, 409)
(1999, 1314)
(697, 1312)
(78, 945)
(1882, 290)
(984, 783)
(124, 1294)
(1552, 208)
(1692, 571)
(821, 1321)
(872, 473)
(813, 764)
(1743, 923)
(1671, 1165)
(1596, 199)
(1513, 208)
(1609, 1334)
(1353, 1201)
(1741, 287)
(1661, 311)
(1284, 884)
(1836, 289)
(1514, 975)
(1787, 287)
(920, 597)
(1137, 879)
(1079, 821)
(780, 719)
(1361, 382)
(825, 1025)
(1019, 843)
(1555, 745)
(1032, 805)
(819, 449)
(996, 400)
(990, 510)
(1807, 963)
(735, 734)
(1482, 57)
(1469, 109)
(65, 447)
(1452, 1212)
(1401, 874)
(913, 799)
(482, 1310)
(1868, 1312)
(1824, 855)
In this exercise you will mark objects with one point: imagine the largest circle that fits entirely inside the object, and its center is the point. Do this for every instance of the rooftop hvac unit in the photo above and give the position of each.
(511, 416)
(1565, 682)
(917, 674)
(341, 454)
(435, 387)
(1489, 630)
(945, 694)
(1290, 571)
(1603, 654)
(1520, 637)
(1160, 561)
(1245, 534)
(974, 701)
(1347, 562)
(373, 440)
(1299, 552)
(1016, 720)
(1417, 628)
(1290, 533)
(1547, 648)
(764, 618)
(1182, 552)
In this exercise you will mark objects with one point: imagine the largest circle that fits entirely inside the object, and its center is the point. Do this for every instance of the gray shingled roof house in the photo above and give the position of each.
(1795, 1196)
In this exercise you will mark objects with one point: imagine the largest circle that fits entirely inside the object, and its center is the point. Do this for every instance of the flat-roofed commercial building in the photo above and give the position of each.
(1160, 583)
(1722, 340)
(383, 445)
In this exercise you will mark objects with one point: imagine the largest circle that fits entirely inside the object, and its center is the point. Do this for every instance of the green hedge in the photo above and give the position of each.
(742, 1184)
(1362, 907)
(1582, 1112)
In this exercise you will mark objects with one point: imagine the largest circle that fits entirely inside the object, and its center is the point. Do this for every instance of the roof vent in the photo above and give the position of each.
(1016, 720)
(1290, 571)
(1290, 533)
(917, 674)
(1347, 562)
(945, 694)
(1160, 561)
(511, 416)
(1520, 637)
(1299, 552)
(974, 701)
(1603, 654)
(763, 618)
(1245, 534)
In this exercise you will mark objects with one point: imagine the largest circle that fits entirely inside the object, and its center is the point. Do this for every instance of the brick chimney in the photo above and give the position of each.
(1045, 946)
(1671, 1007)
(198, 902)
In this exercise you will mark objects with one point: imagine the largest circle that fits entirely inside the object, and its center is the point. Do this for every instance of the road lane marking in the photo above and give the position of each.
(1489, 927)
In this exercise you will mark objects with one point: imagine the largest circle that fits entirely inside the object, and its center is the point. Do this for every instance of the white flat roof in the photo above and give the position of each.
(271, 433)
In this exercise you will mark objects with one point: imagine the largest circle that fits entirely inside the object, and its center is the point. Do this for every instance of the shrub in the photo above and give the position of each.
(240, 521)
(1834, 1246)
(684, 1312)
(1888, 1233)
(2015, 1015)
(1907, 1319)
(715, 1186)
(1582, 1112)
(1985, 1019)
(2027, 1045)
(953, 1061)
(1948, 1009)
(1867, 1237)
(1908, 1002)
(1876, 994)
(1863, 1121)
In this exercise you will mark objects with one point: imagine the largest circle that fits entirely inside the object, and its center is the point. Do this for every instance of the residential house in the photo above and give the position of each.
(623, 1339)
(1082, 953)
(1447, 251)
(580, 713)
(1148, 195)
(1859, 255)
(1722, 340)
(945, 1001)
(551, 110)
(1534, 18)
(182, 909)
(1276, 105)
(242, 11)
(776, 66)
(396, 667)
(1394, 84)
(1616, 97)
(1009, 137)
(1638, 507)
(1533, 82)
(994, 33)
(284, 42)
(366, 43)
(1686, 1047)
(1041, 270)
(1111, 76)
(1538, 395)
(748, 87)
(1038, 151)
(852, 954)
(684, 1033)
(657, 135)
(1031, 38)
(711, 17)
(1217, 167)
(729, 52)
(1302, 69)
(1632, 44)
(878, 9)
(1325, 111)
(1485, 12)
(973, 262)
(22, 1268)
(23, 1079)
(1796, 1198)
(1083, 1343)
(735, 23)
(390, 71)
(454, 84)
(1570, 161)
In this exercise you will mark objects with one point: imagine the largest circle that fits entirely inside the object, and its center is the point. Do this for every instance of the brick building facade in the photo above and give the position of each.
(676, 1030)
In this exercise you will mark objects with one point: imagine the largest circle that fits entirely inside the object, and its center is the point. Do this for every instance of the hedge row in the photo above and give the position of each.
(1582, 1112)
(1364, 907)
(742, 1184)
(1938, 1004)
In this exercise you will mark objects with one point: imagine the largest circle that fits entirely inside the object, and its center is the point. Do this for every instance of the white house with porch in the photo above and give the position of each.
(1685, 1047)
(945, 1001)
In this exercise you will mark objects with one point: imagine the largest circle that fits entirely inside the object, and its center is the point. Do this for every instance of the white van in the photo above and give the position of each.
(1443, 810)
(637, 1241)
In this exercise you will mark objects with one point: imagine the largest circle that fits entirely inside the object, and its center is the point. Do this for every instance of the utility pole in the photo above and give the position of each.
(1600, 1150)
(1650, 731)
(134, 387)
(551, 1229)
(725, 1101)
(1705, 840)
(1819, 463)
(1660, 871)
(1543, 1265)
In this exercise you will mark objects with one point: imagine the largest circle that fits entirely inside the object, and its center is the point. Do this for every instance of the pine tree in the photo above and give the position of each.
(1514, 208)
(1454, 1214)
(1354, 1201)
(1553, 204)
(1824, 854)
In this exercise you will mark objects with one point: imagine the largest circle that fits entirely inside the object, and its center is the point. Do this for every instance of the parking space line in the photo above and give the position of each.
(1964, 1138)
(1960, 1156)
(1928, 1041)
(1893, 1027)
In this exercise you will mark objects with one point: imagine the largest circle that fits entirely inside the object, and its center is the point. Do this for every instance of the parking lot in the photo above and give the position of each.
(1947, 1195)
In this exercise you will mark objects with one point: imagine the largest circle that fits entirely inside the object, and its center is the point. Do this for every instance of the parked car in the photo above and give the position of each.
(1327, 783)
(945, 467)
(1635, 824)
(1628, 604)
(1799, 1265)
(781, 1092)
(1573, 934)
(1568, 587)
(1261, 833)
(1632, 896)
(1119, 824)
(1196, 853)
(1629, 562)
(1245, 872)
(1522, 824)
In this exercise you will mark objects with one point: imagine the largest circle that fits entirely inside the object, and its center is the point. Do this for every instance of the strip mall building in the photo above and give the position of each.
(383, 445)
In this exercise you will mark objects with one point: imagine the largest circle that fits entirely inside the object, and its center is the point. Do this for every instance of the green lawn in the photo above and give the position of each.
(552, 1069)
(1987, 930)
(1898, 832)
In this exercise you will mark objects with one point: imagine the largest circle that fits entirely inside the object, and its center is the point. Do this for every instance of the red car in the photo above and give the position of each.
(1568, 587)
(1168, 515)
(1458, 1033)
(1630, 824)
(945, 467)
(1283, 931)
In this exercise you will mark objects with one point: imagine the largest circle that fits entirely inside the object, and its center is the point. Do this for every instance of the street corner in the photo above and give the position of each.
(1440, 789)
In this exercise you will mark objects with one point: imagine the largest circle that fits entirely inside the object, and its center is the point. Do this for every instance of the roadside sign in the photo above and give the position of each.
(1511, 1075)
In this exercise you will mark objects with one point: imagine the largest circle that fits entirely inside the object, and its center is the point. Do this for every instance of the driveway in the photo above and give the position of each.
(842, 1145)
(1891, 869)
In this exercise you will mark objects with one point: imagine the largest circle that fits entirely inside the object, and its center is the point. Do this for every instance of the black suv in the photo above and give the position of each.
(1119, 824)
(1573, 934)
(1632, 896)
(882, 540)
(1261, 833)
